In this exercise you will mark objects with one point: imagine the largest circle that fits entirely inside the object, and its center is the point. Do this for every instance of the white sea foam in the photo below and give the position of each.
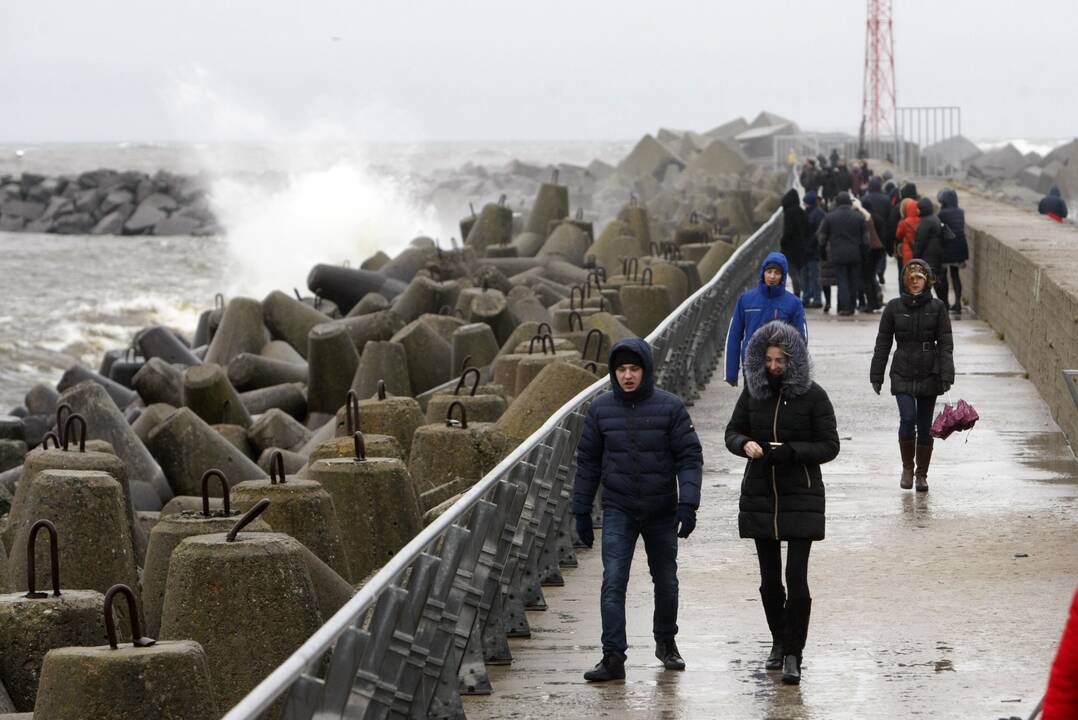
(1041, 146)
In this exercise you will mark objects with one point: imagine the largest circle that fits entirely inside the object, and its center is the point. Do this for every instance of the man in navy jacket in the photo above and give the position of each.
(640, 444)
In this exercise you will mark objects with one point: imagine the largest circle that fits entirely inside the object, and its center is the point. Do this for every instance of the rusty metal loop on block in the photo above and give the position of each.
(601, 272)
(591, 367)
(359, 445)
(45, 440)
(593, 275)
(472, 208)
(544, 329)
(82, 431)
(634, 265)
(646, 277)
(381, 389)
(463, 379)
(298, 296)
(132, 609)
(62, 411)
(465, 363)
(214, 472)
(501, 200)
(531, 343)
(317, 298)
(31, 560)
(547, 340)
(654, 249)
(579, 321)
(572, 296)
(219, 301)
(450, 422)
(351, 411)
(597, 333)
(277, 468)
(247, 518)
(485, 285)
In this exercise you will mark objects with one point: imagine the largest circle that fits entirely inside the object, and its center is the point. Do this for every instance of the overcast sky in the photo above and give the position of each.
(143, 70)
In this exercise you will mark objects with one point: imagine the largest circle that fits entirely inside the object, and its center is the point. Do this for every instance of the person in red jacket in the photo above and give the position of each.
(907, 231)
(1061, 700)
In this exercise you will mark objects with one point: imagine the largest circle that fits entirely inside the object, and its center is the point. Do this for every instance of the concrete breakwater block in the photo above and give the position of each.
(226, 595)
(88, 508)
(529, 367)
(12, 454)
(42, 399)
(442, 323)
(290, 319)
(237, 436)
(293, 461)
(77, 374)
(159, 382)
(382, 361)
(251, 372)
(333, 361)
(492, 307)
(616, 241)
(377, 505)
(186, 447)
(645, 307)
(280, 350)
(347, 286)
(275, 428)
(371, 303)
(716, 257)
(381, 325)
(378, 446)
(479, 408)
(290, 397)
(300, 508)
(474, 341)
(105, 422)
(209, 394)
(693, 231)
(551, 203)
(667, 275)
(454, 448)
(525, 305)
(424, 295)
(566, 241)
(494, 226)
(31, 624)
(150, 417)
(429, 356)
(160, 342)
(558, 383)
(241, 330)
(611, 327)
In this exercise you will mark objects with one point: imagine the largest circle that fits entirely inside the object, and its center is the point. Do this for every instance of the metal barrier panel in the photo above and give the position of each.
(420, 632)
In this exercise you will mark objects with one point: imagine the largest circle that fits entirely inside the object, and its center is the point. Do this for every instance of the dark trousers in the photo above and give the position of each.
(769, 553)
(870, 284)
(620, 533)
(915, 414)
(795, 278)
(942, 286)
(846, 274)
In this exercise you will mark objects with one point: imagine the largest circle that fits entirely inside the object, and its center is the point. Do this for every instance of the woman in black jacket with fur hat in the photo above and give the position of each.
(922, 367)
(785, 425)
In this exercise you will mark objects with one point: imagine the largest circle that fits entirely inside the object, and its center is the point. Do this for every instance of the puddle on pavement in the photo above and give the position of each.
(1048, 452)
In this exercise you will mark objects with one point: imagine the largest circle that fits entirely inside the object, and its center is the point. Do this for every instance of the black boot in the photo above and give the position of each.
(924, 457)
(667, 652)
(906, 445)
(611, 667)
(798, 611)
(774, 603)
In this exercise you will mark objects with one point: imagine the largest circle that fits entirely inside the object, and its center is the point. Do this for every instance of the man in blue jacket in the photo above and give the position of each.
(640, 444)
(770, 301)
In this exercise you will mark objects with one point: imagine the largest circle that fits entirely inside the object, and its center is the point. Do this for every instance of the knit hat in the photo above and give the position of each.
(844, 198)
(625, 356)
(916, 268)
(810, 198)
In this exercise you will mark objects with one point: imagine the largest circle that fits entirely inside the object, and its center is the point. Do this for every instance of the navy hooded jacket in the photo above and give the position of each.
(1053, 203)
(641, 446)
(957, 250)
(758, 306)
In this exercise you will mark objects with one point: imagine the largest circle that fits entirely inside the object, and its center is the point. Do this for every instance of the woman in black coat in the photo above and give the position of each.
(955, 252)
(794, 232)
(785, 425)
(922, 367)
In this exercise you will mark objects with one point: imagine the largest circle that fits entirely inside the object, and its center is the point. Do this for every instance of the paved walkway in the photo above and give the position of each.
(944, 606)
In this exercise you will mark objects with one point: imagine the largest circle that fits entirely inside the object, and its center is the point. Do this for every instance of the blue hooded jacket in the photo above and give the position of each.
(641, 446)
(1053, 203)
(757, 307)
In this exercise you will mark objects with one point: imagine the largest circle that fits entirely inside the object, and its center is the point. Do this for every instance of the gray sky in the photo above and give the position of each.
(140, 70)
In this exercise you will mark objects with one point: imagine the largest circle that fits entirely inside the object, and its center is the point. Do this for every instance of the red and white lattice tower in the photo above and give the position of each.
(878, 106)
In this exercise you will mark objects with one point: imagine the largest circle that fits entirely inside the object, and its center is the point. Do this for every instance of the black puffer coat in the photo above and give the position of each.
(924, 358)
(794, 229)
(641, 446)
(782, 502)
(956, 251)
(928, 244)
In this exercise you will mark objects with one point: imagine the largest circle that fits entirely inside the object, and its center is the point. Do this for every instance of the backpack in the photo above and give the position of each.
(947, 235)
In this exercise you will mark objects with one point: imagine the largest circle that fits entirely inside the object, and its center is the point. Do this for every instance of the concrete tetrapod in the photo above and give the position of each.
(159, 382)
(423, 295)
(77, 374)
(347, 424)
(716, 257)
(494, 226)
(160, 342)
(289, 397)
(492, 307)
(347, 286)
(300, 508)
(251, 372)
(151, 417)
(172, 529)
(551, 203)
(32, 623)
(42, 399)
(275, 428)
(224, 592)
(280, 350)
(186, 447)
(209, 394)
(381, 325)
(241, 330)
(613, 328)
(429, 356)
(669, 276)
(290, 320)
(454, 448)
(105, 422)
(480, 408)
(88, 507)
(371, 303)
(442, 323)
(568, 242)
(558, 383)
(645, 307)
(293, 461)
(475, 342)
(237, 436)
(333, 362)
(382, 361)
(149, 678)
(376, 502)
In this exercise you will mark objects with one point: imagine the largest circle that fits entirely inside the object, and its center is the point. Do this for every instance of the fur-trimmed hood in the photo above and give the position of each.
(798, 376)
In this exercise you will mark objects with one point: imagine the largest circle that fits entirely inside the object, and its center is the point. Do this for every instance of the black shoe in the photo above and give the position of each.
(611, 667)
(956, 308)
(774, 659)
(791, 670)
(666, 651)
(882, 282)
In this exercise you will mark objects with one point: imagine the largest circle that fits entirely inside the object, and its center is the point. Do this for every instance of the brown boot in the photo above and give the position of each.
(906, 447)
(924, 457)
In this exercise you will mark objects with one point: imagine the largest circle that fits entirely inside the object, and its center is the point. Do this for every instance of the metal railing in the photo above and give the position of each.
(420, 632)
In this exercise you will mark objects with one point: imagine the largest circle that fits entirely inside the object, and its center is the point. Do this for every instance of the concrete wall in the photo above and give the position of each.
(1023, 280)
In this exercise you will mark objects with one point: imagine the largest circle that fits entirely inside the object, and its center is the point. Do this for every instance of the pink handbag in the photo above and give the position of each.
(953, 418)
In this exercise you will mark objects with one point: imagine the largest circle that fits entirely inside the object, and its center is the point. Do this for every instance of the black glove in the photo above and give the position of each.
(584, 529)
(782, 455)
(946, 386)
(877, 387)
(686, 518)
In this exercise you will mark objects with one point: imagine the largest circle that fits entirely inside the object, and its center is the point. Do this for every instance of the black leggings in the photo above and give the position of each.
(769, 553)
(942, 286)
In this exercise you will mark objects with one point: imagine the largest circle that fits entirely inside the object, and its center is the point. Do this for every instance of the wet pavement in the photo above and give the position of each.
(945, 605)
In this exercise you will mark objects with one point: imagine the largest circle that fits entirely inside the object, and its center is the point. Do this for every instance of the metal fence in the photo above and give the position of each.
(420, 632)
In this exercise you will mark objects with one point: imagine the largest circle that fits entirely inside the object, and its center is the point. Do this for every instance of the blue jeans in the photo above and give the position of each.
(620, 533)
(847, 275)
(915, 413)
(810, 282)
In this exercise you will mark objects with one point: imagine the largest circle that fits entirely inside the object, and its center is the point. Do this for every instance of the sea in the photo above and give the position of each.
(286, 207)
